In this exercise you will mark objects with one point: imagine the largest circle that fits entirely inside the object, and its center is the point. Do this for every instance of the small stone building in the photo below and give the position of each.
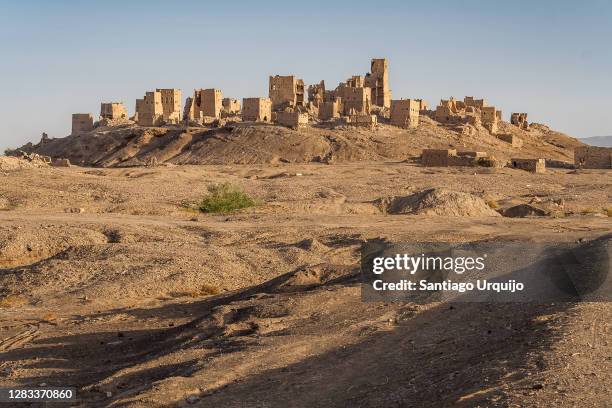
(532, 165)
(81, 122)
(405, 112)
(593, 157)
(256, 109)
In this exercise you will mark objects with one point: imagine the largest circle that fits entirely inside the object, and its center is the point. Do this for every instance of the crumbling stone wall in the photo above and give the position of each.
(513, 140)
(286, 91)
(361, 120)
(231, 105)
(256, 109)
(520, 120)
(437, 157)
(292, 119)
(405, 112)
(593, 157)
(532, 165)
(316, 93)
(81, 122)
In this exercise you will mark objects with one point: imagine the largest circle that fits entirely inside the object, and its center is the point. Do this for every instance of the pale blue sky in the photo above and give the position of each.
(552, 59)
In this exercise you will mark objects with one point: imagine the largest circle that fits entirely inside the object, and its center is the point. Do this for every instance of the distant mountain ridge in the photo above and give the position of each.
(602, 141)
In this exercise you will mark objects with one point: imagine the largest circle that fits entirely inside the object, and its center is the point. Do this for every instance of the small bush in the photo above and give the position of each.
(12, 301)
(588, 211)
(8, 151)
(492, 204)
(225, 198)
(608, 211)
(205, 290)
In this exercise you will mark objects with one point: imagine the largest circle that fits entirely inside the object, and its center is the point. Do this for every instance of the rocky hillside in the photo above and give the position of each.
(131, 145)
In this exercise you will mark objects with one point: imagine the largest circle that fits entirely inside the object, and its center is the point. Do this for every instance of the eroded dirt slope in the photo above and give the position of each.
(139, 301)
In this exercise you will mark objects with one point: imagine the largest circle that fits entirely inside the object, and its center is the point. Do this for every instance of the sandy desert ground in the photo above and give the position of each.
(110, 284)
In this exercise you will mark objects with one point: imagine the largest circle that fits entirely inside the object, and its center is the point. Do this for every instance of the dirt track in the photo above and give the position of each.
(116, 300)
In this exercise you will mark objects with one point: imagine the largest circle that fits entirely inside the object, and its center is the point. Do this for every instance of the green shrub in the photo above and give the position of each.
(225, 198)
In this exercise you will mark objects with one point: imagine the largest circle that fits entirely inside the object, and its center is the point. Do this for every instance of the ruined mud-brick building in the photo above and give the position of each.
(171, 104)
(113, 110)
(231, 106)
(256, 109)
(520, 120)
(286, 91)
(475, 103)
(330, 109)
(446, 111)
(423, 105)
(81, 122)
(513, 140)
(316, 93)
(593, 157)
(149, 110)
(205, 103)
(532, 165)
(355, 100)
(378, 82)
(489, 118)
(293, 120)
(405, 112)
(162, 106)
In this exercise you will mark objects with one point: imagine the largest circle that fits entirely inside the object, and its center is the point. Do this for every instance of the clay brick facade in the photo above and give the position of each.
(405, 112)
(81, 122)
(256, 109)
